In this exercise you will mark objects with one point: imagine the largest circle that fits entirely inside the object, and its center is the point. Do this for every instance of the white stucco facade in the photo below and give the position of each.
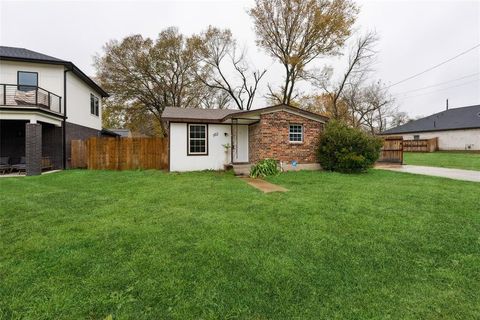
(78, 103)
(468, 139)
(51, 78)
(218, 136)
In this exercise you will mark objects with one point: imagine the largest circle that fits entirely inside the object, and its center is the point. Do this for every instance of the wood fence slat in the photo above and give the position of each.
(120, 153)
(421, 145)
(392, 150)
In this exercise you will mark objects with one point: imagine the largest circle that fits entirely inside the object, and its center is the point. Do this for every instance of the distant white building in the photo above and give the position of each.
(456, 129)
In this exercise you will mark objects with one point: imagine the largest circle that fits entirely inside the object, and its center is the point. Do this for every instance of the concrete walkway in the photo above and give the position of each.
(263, 185)
(457, 174)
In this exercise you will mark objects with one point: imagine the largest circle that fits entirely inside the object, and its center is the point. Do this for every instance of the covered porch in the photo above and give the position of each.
(30, 147)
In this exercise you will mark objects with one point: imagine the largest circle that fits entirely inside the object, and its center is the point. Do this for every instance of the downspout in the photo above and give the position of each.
(64, 125)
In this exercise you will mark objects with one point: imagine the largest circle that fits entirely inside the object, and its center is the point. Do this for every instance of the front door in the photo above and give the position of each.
(239, 143)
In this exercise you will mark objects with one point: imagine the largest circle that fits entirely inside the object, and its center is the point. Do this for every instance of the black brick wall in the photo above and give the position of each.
(52, 144)
(77, 132)
(33, 148)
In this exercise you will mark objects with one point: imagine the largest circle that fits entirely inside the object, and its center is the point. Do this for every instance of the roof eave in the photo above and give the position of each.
(429, 130)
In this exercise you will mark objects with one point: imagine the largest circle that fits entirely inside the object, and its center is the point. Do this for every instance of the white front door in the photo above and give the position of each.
(240, 143)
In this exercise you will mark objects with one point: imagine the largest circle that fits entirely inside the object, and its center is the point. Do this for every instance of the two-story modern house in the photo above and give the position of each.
(45, 102)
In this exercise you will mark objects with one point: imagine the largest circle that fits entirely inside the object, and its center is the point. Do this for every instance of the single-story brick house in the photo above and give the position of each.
(208, 139)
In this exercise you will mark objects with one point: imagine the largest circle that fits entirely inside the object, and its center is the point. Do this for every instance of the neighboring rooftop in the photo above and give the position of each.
(451, 119)
(124, 133)
(26, 55)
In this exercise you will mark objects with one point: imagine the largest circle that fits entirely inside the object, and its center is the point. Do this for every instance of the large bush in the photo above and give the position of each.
(263, 168)
(347, 149)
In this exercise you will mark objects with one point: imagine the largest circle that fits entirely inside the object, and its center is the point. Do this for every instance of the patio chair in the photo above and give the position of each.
(21, 166)
(5, 166)
(46, 163)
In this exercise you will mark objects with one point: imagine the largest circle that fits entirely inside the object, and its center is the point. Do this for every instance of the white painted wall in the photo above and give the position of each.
(50, 77)
(240, 153)
(216, 158)
(78, 103)
(451, 139)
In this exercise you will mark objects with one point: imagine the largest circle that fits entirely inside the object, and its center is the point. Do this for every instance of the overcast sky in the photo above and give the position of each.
(414, 36)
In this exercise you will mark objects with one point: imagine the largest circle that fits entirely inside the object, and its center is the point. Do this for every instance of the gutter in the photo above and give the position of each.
(64, 122)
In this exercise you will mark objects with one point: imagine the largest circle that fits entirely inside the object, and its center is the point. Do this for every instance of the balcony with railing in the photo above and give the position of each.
(12, 95)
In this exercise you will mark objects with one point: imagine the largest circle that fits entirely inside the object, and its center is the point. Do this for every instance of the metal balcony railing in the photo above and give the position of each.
(22, 95)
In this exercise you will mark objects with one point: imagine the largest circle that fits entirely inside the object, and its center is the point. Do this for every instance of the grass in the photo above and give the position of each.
(446, 159)
(151, 245)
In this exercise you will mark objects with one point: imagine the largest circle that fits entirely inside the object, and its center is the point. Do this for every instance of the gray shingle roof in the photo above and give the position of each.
(219, 115)
(22, 53)
(452, 119)
(173, 113)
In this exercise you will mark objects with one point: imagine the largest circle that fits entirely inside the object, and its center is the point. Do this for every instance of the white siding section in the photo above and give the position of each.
(216, 158)
(78, 103)
(240, 153)
(451, 139)
(50, 77)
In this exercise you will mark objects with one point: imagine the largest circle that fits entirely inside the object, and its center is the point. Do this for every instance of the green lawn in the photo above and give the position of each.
(460, 160)
(151, 245)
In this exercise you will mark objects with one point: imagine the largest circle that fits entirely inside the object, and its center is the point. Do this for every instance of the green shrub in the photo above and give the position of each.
(263, 168)
(347, 149)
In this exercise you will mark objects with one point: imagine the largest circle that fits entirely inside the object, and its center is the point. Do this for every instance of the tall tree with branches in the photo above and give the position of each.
(298, 31)
(151, 74)
(225, 70)
(360, 61)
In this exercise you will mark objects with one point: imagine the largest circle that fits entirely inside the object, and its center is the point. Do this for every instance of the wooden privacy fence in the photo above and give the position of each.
(421, 145)
(392, 150)
(120, 153)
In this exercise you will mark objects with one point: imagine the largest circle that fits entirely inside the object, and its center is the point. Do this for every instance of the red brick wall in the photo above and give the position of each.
(269, 138)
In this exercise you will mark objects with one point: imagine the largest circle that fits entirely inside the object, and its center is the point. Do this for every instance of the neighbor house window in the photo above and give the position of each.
(295, 133)
(197, 139)
(94, 105)
(416, 137)
(27, 81)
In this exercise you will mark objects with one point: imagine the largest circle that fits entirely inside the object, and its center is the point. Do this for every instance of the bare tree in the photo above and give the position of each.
(399, 119)
(219, 53)
(298, 31)
(377, 108)
(360, 61)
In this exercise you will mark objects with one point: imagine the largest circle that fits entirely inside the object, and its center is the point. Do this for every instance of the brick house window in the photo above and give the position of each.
(295, 133)
(197, 139)
(94, 105)
(416, 137)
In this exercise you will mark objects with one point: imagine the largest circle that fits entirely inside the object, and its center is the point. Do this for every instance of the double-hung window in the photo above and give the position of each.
(27, 81)
(94, 105)
(295, 133)
(197, 139)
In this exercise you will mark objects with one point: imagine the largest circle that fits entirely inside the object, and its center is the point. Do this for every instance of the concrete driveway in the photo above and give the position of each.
(457, 174)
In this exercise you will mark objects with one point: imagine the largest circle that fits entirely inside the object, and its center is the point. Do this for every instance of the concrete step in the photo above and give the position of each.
(242, 169)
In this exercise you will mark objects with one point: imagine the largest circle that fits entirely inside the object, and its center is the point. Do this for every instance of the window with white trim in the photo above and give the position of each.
(197, 139)
(295, 133)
